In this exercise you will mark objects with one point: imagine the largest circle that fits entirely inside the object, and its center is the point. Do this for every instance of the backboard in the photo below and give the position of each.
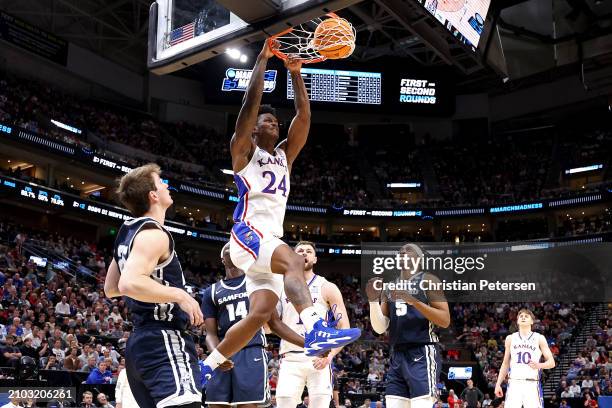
(185, 32)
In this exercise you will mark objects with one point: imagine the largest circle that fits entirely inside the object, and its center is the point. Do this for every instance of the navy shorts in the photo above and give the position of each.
(414, 372)
(162, 367)
(246, 383)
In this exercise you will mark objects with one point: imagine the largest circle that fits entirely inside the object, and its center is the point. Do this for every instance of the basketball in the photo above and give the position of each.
(334, 38)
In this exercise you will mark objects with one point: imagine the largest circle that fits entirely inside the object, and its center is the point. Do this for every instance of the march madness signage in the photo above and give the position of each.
(237, 79)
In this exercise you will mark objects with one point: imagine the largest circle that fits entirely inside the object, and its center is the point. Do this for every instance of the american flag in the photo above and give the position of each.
(184, 33)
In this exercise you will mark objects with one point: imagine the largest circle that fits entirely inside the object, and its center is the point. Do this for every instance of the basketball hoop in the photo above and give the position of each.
(328, 37)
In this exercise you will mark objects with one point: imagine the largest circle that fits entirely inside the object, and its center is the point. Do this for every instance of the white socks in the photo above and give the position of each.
(215, 359)
(309, 317)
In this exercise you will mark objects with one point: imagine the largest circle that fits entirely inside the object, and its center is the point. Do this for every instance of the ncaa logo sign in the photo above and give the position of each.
(237, 79)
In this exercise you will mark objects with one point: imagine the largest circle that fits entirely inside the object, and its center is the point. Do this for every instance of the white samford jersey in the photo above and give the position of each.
(263, 189)
(290, 316)
(522, 351)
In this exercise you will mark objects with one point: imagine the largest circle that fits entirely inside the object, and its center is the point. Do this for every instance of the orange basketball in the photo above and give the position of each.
(334, 38)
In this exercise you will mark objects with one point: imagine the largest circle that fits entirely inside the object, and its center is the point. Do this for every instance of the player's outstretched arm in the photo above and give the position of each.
(549, 359)
(503, 370)
(379, 309)
(283, 331)
(148, 248)
(241, 145)
(300, 125)
(111, 282)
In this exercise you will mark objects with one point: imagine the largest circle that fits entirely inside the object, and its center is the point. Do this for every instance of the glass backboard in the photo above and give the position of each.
(185, 32)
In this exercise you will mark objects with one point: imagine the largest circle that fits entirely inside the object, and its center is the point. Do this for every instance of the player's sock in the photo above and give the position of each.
(215, 359)
(309, 317)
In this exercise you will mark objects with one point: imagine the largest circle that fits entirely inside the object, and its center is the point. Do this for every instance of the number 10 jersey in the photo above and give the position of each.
(263, 190)
(524, 349)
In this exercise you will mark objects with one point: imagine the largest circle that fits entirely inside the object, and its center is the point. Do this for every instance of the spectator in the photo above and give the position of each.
(27, 349)
(452, 398)
(589, 402)
(566, 393)
(100, 374)
(574, 388)
(87, 400)
(52, 363)
(58, 351)
(347, 404)
(472, 395)
(304, 403)
(103, 401)
(564, 404)
(85, 354)
(16, 327)
(72, 361)
(487, 401)
(366, 403)
(10, 353)
(62, 308)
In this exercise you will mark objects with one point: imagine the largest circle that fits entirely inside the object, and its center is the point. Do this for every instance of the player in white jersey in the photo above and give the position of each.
(524, 350)
(261, 168)
(297, 369)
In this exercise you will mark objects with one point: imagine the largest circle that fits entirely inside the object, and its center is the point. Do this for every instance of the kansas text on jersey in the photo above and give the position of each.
(524, 349)
(263, 190)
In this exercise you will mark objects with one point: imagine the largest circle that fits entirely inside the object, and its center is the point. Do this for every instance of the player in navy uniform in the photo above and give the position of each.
(410, 317)
(161, 361)
(243, 380)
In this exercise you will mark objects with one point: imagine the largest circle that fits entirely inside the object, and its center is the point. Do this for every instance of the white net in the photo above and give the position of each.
(300, 41)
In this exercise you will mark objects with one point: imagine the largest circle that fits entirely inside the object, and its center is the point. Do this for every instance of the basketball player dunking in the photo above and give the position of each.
(410, 317)
(297, 369)
(261, 172)
(161, 361)
(524, 350)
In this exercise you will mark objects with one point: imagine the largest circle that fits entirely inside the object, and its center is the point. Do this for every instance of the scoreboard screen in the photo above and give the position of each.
(330, 85)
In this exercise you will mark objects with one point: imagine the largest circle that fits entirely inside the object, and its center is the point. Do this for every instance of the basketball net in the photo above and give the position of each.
(299, 41)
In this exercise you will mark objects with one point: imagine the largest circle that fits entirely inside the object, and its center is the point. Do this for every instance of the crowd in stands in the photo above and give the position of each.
(584, 225)
(335, 168)
(501, 169)
(589, 373)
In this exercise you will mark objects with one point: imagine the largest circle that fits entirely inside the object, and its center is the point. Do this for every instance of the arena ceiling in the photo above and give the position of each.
(117, 29)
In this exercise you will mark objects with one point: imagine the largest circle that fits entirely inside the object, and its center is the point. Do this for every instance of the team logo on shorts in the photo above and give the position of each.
(248, 237)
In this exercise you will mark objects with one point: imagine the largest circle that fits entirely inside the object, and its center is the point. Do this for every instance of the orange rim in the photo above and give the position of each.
(283, 56)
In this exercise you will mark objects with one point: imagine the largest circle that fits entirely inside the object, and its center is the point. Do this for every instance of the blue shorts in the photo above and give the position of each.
(246, 383)
(162, 367)
(414, 372)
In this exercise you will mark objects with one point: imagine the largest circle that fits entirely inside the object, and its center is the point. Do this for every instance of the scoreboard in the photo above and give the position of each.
(330, 85)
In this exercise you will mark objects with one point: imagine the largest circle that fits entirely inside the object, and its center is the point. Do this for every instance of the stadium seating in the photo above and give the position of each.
(465, 171)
